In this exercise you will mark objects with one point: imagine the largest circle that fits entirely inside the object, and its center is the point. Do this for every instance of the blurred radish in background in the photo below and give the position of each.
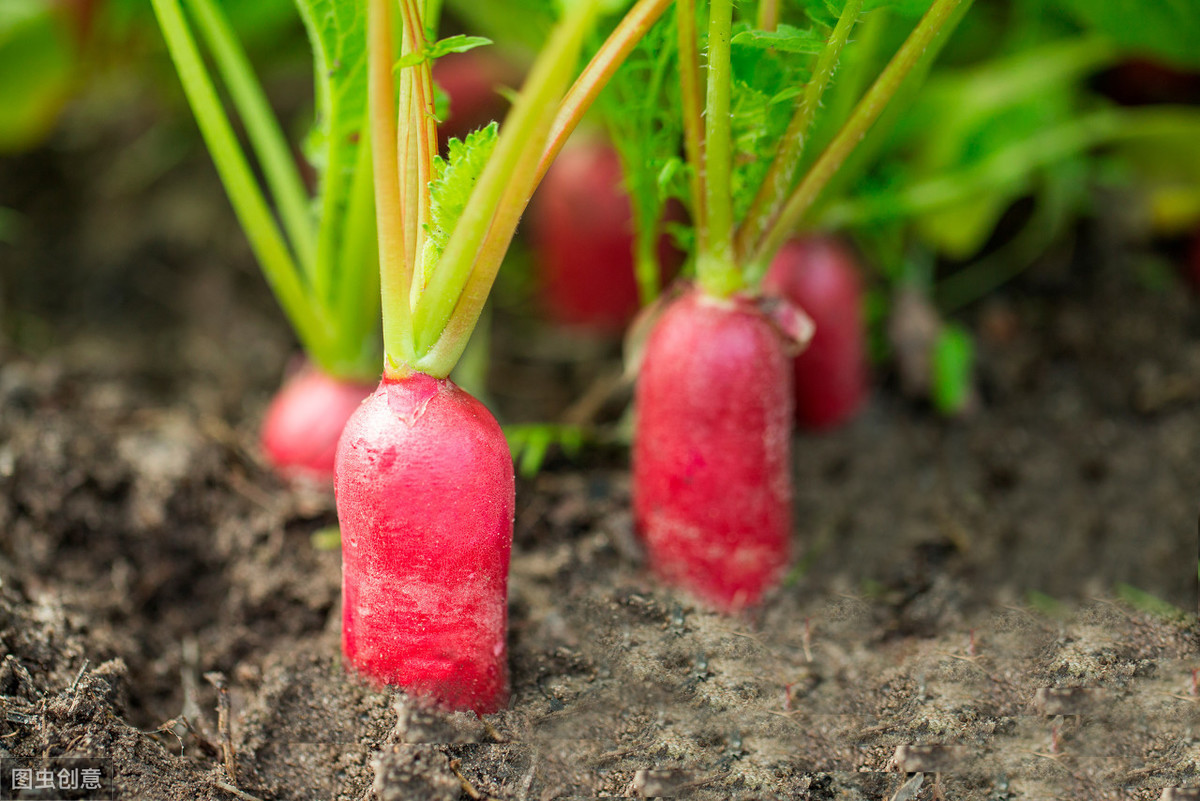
(821, 276)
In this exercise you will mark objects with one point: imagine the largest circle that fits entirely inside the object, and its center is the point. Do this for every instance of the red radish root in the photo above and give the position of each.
(471, 80)
(831, 375)
(301, 428)
(425, 501)
(583, 236)
(712, 451)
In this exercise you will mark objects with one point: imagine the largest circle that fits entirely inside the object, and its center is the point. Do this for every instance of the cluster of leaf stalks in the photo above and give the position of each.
(318, 253)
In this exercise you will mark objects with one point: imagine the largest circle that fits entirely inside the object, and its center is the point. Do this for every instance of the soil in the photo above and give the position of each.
(983, 608)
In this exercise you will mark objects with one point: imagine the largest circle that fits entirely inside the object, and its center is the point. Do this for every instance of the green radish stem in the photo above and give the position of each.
(321, 264)
(768, 15)
(716, 269)
(510, 176)
(395, 268)
(430, 310)
(782, 172)
(279, 167)
(355, 290)
(864, 115)
(309, 320)
(433, 15)
(693, 114)
(418, 137)
(595, 75)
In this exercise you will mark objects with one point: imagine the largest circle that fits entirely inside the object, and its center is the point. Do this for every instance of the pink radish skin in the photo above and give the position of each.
(301, 428)
(425, 501)
(583, 237)
(831, 376)
(712, 451)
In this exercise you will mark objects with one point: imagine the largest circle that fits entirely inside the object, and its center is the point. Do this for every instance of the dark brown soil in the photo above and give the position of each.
(974, 600)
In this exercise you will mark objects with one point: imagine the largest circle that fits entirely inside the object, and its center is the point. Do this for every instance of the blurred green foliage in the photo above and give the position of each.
(37, 67)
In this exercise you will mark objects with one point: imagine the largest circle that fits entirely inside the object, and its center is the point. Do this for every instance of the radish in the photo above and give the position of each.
(819, 275)
(583, 240)
(712, 480)
(317, 253)
(712, 454)
(301, 427)
(424, 478)
(425, 501)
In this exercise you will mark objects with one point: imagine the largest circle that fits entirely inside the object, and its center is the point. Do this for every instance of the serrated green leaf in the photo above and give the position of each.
(642, 112)
(784, 39)
(765, 82)
(452, 44)
(453, 179)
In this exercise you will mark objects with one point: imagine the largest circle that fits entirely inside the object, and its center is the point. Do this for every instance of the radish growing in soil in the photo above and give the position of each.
(301, 427)
(424, 479)
(819, 275)
(582, 227)
(322, 265)
(711, 458)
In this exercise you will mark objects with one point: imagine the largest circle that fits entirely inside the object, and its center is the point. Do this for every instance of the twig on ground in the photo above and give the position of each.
(229, 788)
(224, 724)
(467, 787)
(79, 677)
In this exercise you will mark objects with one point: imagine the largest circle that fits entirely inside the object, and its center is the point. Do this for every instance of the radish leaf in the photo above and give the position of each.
(784, 39)
(453, 44)
(640, 107)
(766, 84)
(453, 179)
(337, 32)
